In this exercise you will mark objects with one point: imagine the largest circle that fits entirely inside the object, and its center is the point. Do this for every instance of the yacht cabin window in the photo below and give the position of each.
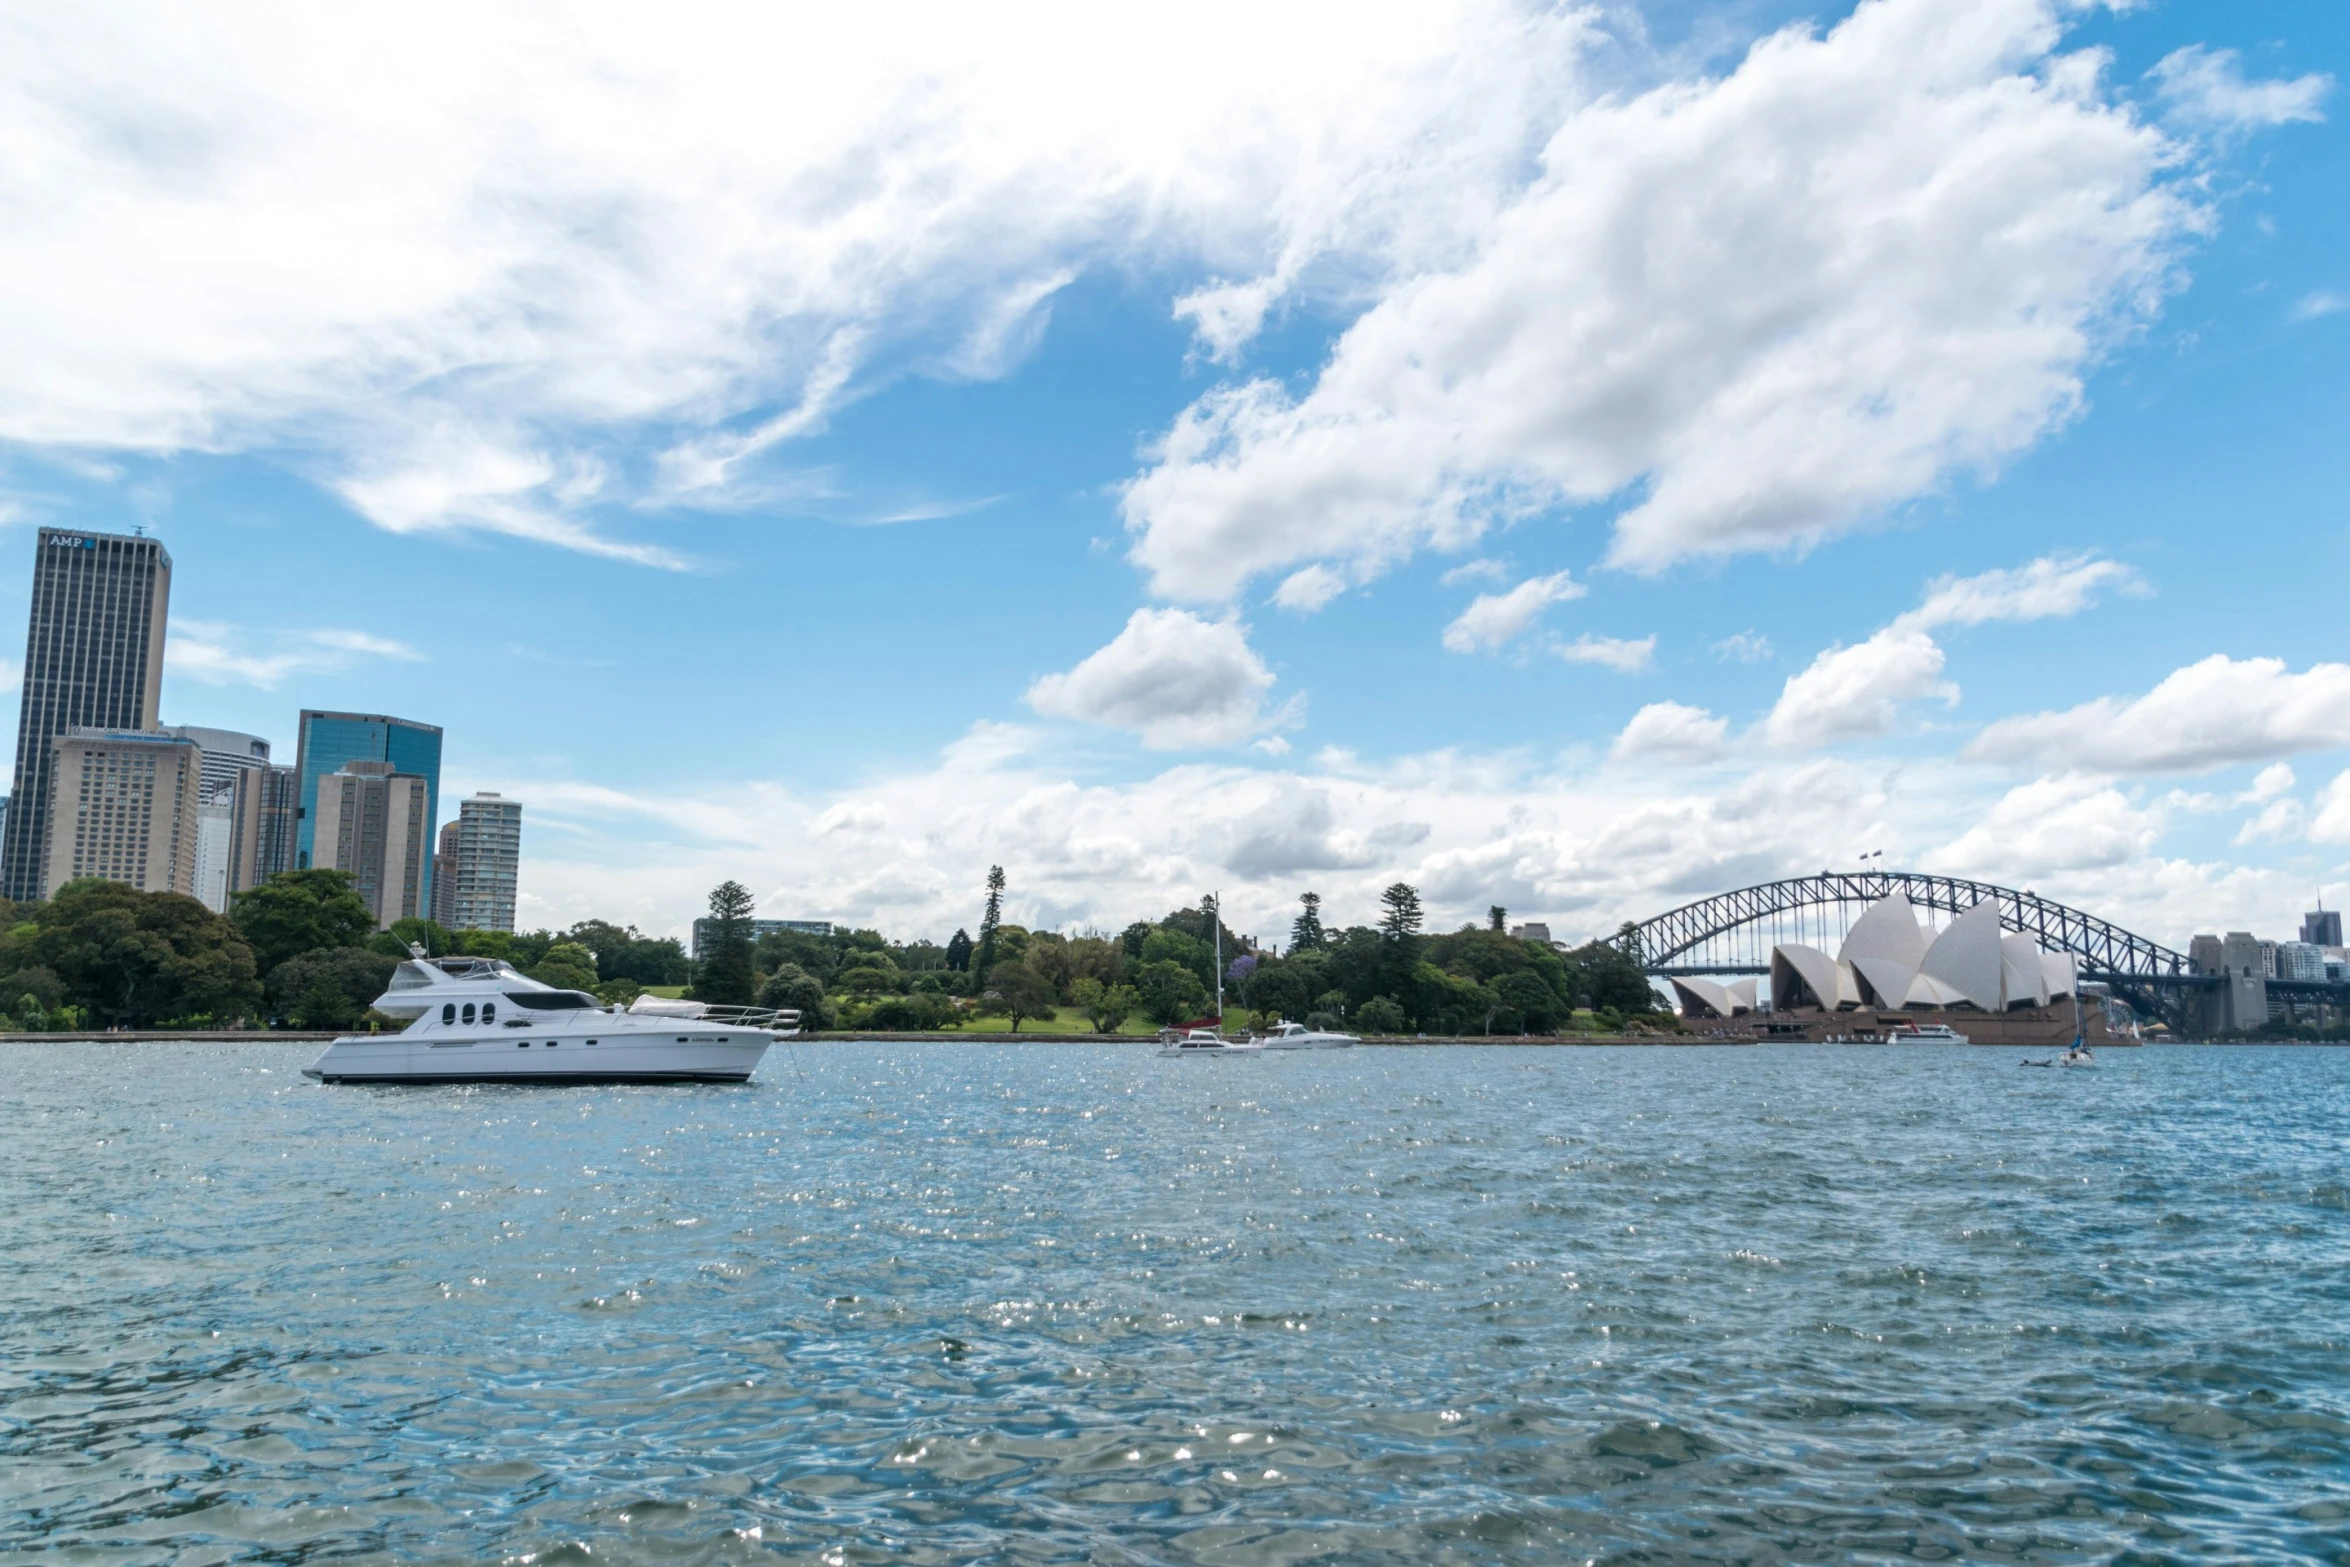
(468, 1011)
(448, 1012)
(489, 1012)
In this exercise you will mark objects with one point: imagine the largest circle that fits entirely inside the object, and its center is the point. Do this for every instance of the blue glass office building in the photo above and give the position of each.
(328, 740)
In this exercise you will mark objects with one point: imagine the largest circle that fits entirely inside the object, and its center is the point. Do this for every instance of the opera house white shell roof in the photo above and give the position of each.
(1890, 961)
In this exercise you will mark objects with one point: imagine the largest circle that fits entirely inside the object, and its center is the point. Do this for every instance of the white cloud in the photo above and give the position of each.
(217, 653)
(1494, 619)
(1673, 732)
(332, 235)
(1746, 647)
(2205, 89)
(1482, 570)
(1308, 589)
(2062, 823)
(2051, 587)
(2321, 302)
(2210, 714)
(1583, 845)
(1173, 678)
(1770, 306)
(2270, 782)
(1624, 655)
(1853, 693)
(2280, 819)
(2332, 821)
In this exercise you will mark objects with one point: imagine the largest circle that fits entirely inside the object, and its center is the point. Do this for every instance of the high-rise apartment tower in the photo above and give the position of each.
(93, 659)
(371, 822)
(484, 852)
(124, 805)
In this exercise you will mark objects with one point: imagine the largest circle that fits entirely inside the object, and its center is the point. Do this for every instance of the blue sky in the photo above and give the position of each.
(1576, 459)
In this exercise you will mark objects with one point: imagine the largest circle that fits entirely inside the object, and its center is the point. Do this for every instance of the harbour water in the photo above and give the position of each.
(950, 1303)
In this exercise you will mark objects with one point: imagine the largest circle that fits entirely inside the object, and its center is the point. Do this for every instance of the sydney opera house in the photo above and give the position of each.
(1991, 985)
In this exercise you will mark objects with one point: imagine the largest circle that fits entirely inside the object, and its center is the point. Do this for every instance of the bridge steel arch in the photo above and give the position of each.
(2150, 975)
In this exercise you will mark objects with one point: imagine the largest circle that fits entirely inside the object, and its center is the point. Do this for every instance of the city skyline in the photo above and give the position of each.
(1169, 520)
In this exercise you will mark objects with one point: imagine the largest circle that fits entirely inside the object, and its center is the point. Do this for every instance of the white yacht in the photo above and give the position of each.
(1296, 1036)
(475, 1020)
(1204, 1041)
(1931, 1034)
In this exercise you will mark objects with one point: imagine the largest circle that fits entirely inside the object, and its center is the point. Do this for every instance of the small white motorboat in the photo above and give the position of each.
(1930, 1034)
(1204, 1042)
(1296, 1036)
(475, 1020)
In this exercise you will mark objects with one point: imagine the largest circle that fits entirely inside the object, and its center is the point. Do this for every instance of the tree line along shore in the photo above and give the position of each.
(301, 951)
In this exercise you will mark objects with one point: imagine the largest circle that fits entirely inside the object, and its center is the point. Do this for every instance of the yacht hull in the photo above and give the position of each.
(706, 1056)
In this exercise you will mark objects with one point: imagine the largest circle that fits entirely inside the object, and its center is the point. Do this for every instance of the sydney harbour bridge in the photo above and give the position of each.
(1733, 933)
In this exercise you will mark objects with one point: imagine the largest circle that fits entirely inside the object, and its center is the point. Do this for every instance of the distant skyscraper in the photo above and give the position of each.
(444, 879)
(2322, 928)
(215, 835)
(227, 752)
(372, 822)
(261, 829)
(93, 659)
(326, 741)
(484, 845)
(759, 928)
(124, 805)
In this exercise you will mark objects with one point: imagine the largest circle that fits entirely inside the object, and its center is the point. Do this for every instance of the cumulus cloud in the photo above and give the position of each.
(2210, 714)
(1173, 678)
(217, 653)
(1768, 306)
(1308, 589)
(1624, 655)
(2332, 821)
(1673, 732)
(1853, 693)
(2205, 90)
(1746, 647)
(489, 266)
(2051, 587)
(1495, 619)
(2064, 823)
(1583, 844)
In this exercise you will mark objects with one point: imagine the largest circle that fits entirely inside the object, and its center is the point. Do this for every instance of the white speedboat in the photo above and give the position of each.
(1931, 1034)
(1204, 1042)
(475, 1020)
(1296, 1036)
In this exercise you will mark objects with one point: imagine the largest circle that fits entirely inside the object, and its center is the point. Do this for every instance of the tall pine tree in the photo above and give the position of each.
(990, 917)
(1305, 932)
(724, 978)
(1401, 916)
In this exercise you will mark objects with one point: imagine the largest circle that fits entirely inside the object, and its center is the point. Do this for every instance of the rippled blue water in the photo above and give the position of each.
(971, 1303)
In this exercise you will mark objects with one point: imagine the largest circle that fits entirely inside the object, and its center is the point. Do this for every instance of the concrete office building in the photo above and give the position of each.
(2238, 959)
(371, 821)
(93, 660)
(2322, 928)
(325, 741)
(263, 809)
(481, 859)
(227, 752)
(123, 805)
(215, 828)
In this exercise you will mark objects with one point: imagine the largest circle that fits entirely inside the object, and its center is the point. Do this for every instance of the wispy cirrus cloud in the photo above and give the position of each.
(219, 653)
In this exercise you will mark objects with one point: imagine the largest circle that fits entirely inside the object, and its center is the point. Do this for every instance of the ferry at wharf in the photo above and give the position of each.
(475, 1020)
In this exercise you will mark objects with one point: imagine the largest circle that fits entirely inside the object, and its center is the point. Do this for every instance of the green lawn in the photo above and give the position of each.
(1065, 1020)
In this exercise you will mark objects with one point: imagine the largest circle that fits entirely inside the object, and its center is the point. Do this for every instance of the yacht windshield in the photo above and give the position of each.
(552, 1000)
